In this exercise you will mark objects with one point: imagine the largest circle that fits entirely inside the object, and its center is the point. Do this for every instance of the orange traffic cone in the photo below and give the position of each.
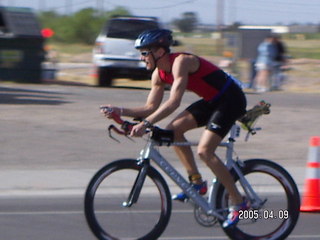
(311, 196)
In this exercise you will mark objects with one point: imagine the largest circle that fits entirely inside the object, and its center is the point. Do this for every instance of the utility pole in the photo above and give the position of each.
(232, 12)
(68, 7)
(219, 24)
(42, 5)
(100, 7)
(219, 14)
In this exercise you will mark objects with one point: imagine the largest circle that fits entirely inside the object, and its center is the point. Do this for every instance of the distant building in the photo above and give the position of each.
(274, 29)
(285, 29)
(304, 28)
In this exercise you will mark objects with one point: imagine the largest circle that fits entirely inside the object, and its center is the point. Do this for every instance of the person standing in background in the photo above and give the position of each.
(279, 62)
(265, 64)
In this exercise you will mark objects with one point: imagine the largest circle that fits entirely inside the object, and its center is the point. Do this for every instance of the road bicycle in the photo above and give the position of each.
(130, 199)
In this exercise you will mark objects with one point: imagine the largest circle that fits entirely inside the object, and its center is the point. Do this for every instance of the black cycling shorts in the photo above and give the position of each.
(220, 114)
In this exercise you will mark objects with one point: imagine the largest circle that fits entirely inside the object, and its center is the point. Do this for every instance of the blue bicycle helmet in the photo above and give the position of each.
(154, 38)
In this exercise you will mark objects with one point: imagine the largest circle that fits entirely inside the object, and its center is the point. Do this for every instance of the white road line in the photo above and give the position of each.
(305, 237)
(80, 212)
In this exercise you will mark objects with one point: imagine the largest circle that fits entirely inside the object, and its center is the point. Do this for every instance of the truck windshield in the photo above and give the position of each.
(128, 29)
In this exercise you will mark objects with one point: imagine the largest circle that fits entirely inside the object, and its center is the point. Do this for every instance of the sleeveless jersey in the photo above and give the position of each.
(208, 82)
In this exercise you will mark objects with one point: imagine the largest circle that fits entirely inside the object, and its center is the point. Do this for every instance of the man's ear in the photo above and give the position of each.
(160, 51)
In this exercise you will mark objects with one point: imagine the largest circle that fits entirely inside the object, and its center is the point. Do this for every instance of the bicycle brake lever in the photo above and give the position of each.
(252, 131)
(114, 128)
(110, 135)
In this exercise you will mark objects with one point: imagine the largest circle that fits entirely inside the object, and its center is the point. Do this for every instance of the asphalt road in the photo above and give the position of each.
(56, 218)
(53, 139)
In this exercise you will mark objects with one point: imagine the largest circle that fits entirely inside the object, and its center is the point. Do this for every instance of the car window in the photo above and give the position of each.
(128, 29)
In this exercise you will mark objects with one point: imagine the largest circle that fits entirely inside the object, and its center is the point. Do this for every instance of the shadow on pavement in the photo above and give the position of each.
(10, 95)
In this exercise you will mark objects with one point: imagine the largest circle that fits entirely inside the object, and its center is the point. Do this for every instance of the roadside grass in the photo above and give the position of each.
(304, 62)
(303, 48)
(69, 52)
(67, 48)
(312, 52)
(203, 46)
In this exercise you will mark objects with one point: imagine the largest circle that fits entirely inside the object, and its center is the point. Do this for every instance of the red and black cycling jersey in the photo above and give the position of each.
(209, 81)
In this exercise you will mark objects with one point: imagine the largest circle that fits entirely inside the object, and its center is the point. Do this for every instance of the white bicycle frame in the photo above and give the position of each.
(208, 206)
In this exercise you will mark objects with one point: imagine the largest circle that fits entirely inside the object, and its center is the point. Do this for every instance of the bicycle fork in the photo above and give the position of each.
(138, 184)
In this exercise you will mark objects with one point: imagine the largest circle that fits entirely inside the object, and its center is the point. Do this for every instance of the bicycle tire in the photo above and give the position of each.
(99, 202)
(281, 208)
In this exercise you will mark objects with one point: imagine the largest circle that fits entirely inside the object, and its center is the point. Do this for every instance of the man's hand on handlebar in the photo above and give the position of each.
(161, 136)
(138, 130)
(109, 111)
(132, 129)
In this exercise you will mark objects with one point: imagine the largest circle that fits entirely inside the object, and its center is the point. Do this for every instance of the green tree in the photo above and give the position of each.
(118, 11)
(82, 27)
(187, 22)
(86, 25)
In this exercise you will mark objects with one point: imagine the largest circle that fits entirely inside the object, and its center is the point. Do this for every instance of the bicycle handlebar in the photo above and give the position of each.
(125, 126)
(163, 136)
(116, 117)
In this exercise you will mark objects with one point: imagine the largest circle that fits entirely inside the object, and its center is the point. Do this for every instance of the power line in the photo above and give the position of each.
(158, 7)
(278, 10)
(69, 6)
(286, 3)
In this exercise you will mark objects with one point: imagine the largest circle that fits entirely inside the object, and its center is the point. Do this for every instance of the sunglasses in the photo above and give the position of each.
(145, 53)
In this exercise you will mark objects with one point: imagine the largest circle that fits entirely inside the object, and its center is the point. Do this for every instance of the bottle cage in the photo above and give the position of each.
(249, 119)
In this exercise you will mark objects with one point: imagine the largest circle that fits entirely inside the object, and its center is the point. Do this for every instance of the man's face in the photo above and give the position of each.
(147, 55)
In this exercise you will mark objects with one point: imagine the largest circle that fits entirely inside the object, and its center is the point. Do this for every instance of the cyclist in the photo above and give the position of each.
(222, 103)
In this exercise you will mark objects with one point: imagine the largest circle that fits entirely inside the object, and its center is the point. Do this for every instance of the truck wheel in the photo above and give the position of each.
(104, 77)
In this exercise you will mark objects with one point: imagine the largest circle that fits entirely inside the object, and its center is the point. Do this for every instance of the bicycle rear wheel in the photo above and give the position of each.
(277, 217)
(109, 189)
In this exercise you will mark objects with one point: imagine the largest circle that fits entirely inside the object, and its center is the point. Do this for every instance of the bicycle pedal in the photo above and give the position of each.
(177, 198)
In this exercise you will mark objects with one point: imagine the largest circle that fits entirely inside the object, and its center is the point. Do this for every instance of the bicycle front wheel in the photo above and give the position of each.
(106, 212)
(278, 215)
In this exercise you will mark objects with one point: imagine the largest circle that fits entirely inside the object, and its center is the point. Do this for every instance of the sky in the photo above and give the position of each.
(255, 12)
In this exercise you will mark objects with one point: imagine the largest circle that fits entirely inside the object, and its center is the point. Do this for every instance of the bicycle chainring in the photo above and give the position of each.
(203, 218)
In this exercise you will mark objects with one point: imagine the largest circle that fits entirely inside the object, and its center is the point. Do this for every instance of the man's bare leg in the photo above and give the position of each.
(181, 124)
(208, 144)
